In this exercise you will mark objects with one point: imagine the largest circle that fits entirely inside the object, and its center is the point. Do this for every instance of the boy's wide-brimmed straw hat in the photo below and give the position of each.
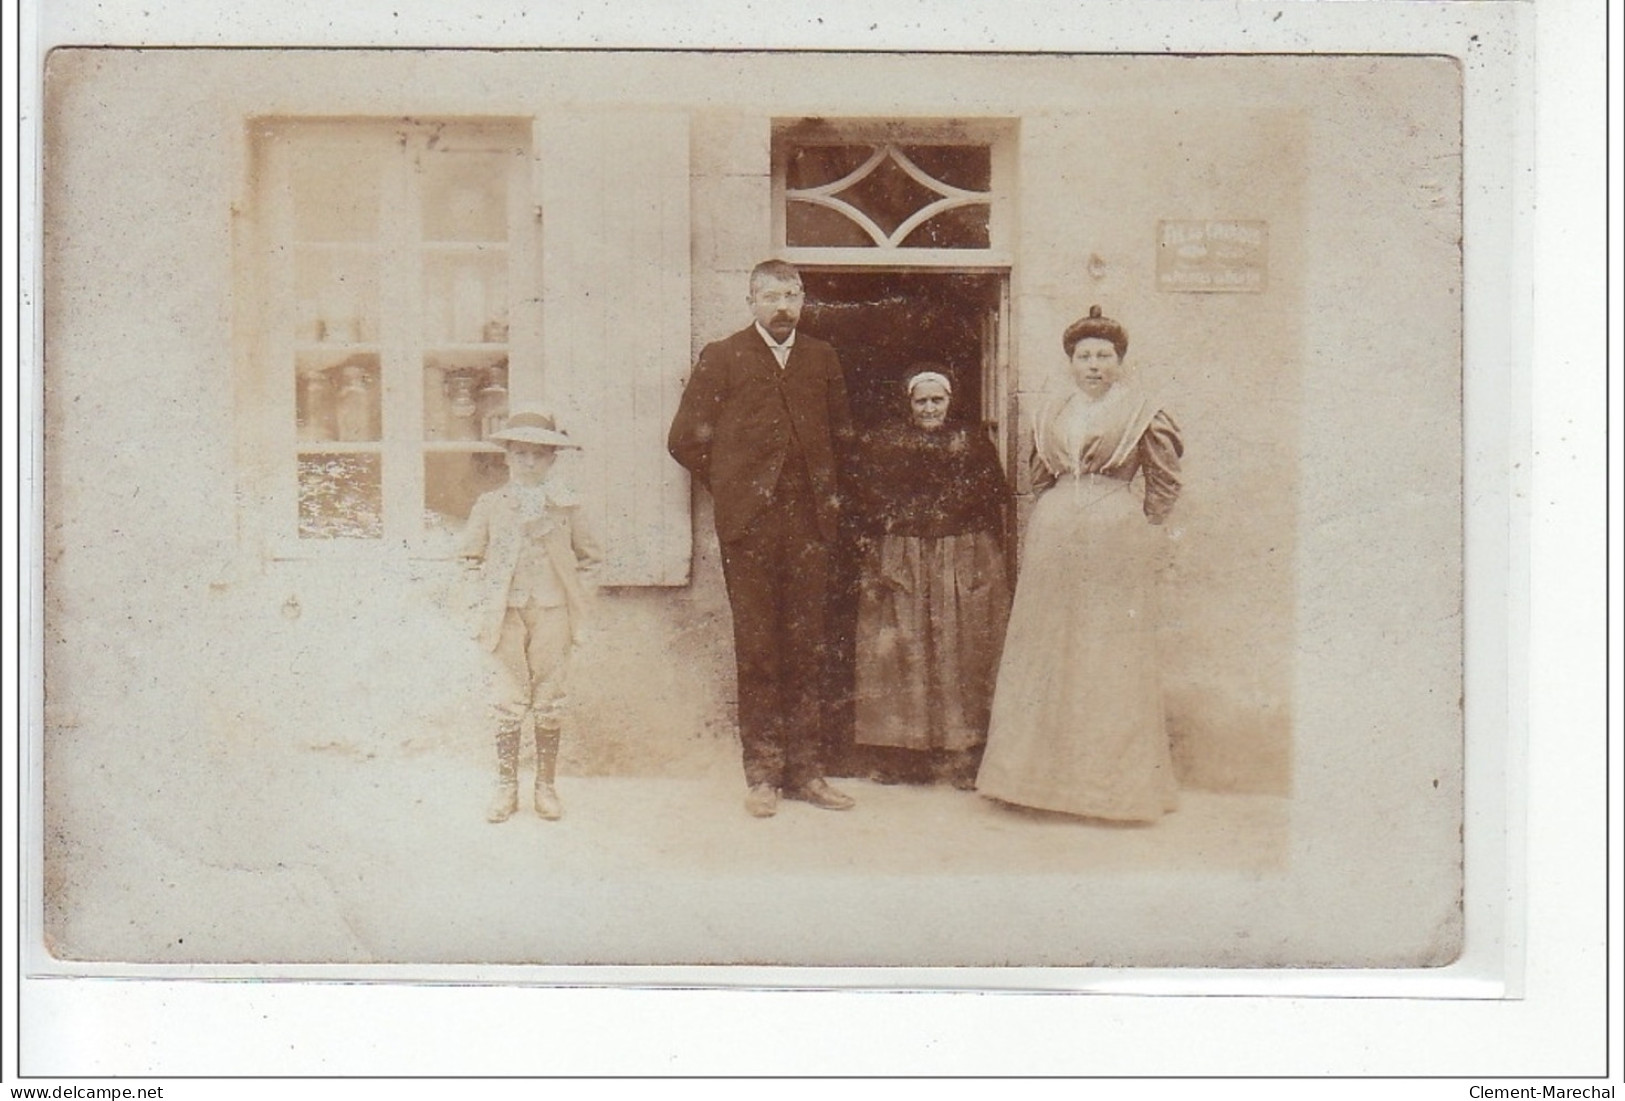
(532, 425)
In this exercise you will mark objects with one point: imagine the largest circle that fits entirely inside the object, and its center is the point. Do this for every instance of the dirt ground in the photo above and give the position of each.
(303, 855)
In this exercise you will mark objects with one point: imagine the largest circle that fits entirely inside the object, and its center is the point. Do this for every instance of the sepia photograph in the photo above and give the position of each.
(780, 508)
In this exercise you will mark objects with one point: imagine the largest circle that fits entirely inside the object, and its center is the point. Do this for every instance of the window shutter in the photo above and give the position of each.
(614, 205)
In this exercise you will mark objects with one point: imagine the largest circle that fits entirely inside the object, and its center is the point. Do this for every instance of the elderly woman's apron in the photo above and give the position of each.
(935, 597)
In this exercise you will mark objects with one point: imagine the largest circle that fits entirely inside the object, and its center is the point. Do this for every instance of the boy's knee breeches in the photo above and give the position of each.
(534, 650)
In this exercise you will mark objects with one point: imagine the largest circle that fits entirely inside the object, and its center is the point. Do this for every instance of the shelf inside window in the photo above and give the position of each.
(335, 351)
(338, 447)
(482, 447)
(478, 349)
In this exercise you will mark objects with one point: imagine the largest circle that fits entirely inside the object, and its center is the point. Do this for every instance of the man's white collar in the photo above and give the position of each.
(789, 341)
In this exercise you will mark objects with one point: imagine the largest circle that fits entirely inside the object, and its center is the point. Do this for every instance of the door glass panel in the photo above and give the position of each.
(960, 227)
(967, 167)
(819, 226)
(888, 196)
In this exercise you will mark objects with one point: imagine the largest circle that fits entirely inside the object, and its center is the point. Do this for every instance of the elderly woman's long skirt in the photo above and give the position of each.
(931, 619)
(1077, 721)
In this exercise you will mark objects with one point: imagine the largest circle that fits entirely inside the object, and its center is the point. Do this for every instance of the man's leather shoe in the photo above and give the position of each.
(762, 801)
(820, 794)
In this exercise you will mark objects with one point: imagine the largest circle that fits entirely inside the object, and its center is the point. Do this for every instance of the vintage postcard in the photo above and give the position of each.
(459, 550)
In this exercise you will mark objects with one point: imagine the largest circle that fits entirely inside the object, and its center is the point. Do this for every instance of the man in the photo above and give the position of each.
(759, 425)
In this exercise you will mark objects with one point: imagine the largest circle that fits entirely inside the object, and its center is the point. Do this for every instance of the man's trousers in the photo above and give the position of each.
(777, 574)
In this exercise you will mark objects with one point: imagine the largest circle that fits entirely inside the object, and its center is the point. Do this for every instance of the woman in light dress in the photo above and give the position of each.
(1077, 722)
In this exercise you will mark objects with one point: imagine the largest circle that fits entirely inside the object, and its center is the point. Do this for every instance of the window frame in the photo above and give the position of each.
(998, 135)
(402, 249)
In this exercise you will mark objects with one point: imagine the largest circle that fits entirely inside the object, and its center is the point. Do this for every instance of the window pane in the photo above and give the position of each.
(335, 192)
(889, 187)
(967, 167)
(341, 496)
(337, 291)
(961, 227)
(465, 298)
(338, 401)
(465, 196)
(817, 165)
(465, 395)
(888, 195)
(806, 225)
(453, 481)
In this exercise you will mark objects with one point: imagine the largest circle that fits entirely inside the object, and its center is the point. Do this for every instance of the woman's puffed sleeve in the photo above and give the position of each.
(1161, 449)
(1039, 475)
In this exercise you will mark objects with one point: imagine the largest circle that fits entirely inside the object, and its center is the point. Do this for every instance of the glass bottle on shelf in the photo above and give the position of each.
(462, 407)
(355, 401)
(315, 411)
(493, 402)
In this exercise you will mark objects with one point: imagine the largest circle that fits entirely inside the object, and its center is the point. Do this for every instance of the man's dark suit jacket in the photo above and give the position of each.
(740, 415)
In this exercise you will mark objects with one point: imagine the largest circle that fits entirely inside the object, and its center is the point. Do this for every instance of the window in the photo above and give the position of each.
(914, 193)
(396, 261)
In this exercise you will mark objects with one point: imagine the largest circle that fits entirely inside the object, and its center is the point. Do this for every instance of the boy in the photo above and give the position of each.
(533, 552)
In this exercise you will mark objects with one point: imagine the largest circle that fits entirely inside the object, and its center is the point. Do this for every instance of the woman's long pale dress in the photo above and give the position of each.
(1077, 723)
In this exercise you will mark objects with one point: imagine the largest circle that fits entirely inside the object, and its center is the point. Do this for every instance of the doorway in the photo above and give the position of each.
(881, 322)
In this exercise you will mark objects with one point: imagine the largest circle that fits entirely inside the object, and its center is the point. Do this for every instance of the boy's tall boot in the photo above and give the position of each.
(547, 761)
(505, 799)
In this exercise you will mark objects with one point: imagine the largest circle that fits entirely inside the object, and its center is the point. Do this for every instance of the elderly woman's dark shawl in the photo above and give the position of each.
(909, 481)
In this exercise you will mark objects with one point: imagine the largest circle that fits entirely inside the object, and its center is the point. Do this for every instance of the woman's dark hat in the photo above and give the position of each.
(534, 426)
(1095, 327)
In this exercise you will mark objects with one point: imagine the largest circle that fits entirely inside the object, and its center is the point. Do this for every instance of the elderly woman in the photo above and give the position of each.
(934, 597)
(1077, 723)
